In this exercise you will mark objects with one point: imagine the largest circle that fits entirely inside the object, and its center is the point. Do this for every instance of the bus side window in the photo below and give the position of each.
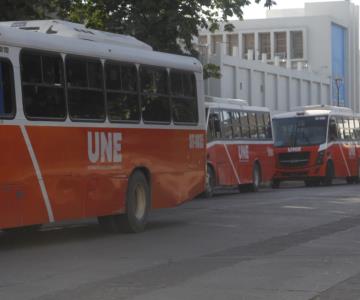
(43, 85)
(245, 129)
(85, 89)
(356, 129)
(268, 130)
(236, 124)
(340, 128)
(214, 129)
(253, 126)
(352, 129)
(346, 129)
(227, 125)
(7, 99)
(155, 100)
(333, 134)
(121, 92)
(260, 125)
(184, 97)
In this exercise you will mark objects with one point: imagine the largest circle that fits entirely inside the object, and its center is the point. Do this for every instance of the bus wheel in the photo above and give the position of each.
(312, 182)
(329, 175)
(256, 179)
(210, 182)
(275, 183)
(350, 180)
(137, 208)
(357, 177)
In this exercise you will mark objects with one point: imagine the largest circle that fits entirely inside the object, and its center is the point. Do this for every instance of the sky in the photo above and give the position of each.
(256, 11)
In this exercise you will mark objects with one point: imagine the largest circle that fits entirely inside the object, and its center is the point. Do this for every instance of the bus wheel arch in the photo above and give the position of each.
(137, 205)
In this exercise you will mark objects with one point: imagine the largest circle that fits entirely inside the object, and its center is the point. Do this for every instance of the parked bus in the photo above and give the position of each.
(239, 145)
(316, 144)
(95, 124)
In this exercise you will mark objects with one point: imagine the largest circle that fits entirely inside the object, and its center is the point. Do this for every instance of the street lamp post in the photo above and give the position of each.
(338, 82)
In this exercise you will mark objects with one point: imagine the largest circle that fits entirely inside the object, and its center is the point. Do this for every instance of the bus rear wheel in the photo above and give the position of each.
(312, 182)
(137, 208)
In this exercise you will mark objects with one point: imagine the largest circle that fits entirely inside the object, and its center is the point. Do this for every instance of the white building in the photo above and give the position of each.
(292, 57)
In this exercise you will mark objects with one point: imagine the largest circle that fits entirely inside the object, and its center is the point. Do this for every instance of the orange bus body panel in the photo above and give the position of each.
(77, 187)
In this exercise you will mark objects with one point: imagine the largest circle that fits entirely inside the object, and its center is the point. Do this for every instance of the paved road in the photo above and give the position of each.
(291, 243)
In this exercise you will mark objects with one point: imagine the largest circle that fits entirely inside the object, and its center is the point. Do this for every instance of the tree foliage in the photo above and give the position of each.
(160, 23)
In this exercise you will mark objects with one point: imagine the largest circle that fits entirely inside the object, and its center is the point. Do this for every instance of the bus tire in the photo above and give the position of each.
(210, 182)
(312, 182)
(256, 178)
(138, 201)
(330, 173)
(357, 177)
(275, 183)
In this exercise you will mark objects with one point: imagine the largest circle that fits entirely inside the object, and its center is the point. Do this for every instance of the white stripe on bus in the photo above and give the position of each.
(343, 156)
(232, 164)
(38, 174)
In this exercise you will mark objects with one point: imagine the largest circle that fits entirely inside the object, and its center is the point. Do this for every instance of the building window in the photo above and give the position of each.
(248, 44)
(296, 44)
(215, 39)
(232, 41)
(202, 40)
(264, 45)
(280, 44)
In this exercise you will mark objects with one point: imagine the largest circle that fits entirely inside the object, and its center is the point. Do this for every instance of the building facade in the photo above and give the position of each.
(292, 57)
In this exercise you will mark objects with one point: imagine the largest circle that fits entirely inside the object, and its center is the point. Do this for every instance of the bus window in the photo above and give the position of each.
(356, 128)
(346, 129)
(260, 125)
(226, 125)
(352, 129)
(214, 129)
(340, 128)
(85, 89)
(155, 102)
(7, 99)
(42, 85)
(245, 129)
(236, 124)
(184, 99)
(253, 126)
(121, 92)
(333, 134)
(268, 129)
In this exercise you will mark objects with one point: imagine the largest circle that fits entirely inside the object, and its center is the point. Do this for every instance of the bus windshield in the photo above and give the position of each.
(300, 131)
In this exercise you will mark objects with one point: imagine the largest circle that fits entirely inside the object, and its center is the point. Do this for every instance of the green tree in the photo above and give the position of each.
(161, 23)
(12, 10)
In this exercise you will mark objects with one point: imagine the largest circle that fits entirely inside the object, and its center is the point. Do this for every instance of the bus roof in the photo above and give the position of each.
(72, 38)
(315, 110)
(230, 103)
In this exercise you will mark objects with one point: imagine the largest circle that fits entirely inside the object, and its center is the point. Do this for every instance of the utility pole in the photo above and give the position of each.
(338, 82)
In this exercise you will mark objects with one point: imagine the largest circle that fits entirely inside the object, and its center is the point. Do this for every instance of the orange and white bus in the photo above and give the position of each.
(94, 124)
(239, 145)
(316, 144)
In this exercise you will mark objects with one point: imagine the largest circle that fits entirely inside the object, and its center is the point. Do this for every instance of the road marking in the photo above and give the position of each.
(297, 207)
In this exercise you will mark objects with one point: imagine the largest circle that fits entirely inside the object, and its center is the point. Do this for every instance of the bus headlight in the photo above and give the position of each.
(320, 157)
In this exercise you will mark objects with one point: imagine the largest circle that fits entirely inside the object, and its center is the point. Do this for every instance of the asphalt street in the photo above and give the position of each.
(290, 243)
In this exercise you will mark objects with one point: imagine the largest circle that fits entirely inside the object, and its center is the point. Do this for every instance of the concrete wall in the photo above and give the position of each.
(277, 88)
